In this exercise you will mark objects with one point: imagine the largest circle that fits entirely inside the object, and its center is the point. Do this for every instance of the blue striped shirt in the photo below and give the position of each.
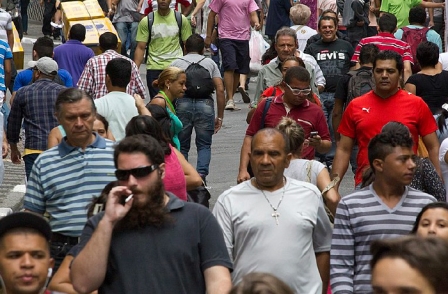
(65, 178)
(5, 53)
(362, 217)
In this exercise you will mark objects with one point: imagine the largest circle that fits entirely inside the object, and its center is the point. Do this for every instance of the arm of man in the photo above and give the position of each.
(323, 265)
(139, 53)
(336, 117)
(199, 5)
(210, 25)
(254, 21)
(217, 280)
(407, 70)
(8, 72)
(342, 157)
(220, 102)
(136, 84)
(427, 4)
(243, 175)
(89, 266)
(432, 145)
(261, 85)
(10, 36)
(4, 145)
(13, 129)
(410, 88)
(342, 257)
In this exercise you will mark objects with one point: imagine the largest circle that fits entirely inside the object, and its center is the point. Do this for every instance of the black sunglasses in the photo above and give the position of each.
(139, 172)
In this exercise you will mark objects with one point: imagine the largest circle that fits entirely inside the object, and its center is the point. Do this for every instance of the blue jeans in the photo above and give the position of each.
(327, 100)
(29, 162)
(200, 115)
(123, 29)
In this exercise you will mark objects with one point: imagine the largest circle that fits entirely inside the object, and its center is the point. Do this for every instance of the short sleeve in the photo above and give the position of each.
(35, 194)
(323, 231)
(186, 29)
(142, 30)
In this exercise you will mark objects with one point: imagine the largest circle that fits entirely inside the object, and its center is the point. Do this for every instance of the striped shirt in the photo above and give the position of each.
(385, 41)
(362, 217)
(63, 181)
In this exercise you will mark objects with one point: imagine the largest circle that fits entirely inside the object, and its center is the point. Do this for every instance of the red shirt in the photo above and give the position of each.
(367, 114)
(386, 41)
(308, 115)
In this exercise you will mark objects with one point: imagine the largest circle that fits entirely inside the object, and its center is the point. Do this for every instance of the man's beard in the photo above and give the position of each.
(152, 213)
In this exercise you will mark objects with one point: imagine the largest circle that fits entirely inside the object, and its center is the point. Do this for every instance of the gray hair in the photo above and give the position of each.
(300, 14)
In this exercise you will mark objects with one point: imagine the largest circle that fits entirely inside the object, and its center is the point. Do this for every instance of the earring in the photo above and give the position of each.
(168, 87)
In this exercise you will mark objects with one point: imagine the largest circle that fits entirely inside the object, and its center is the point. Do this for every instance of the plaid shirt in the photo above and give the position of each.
(35, 104)
(93, 78)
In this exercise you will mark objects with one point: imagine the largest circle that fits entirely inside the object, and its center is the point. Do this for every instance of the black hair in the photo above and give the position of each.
(390, 55)
(140, 143)
(160, 114)
(103, 120)
(72, 95)
(417, 15)
(368, 53)
(429, 206)
(195, 43)
(100, 199)
(77, 32)
(382, 144)
(270, 54)
(427, 54)
(44, 47)
(387, 22)
(144, 124)
(108, 41)
(119, 71)
(326, 18)
(297, 72)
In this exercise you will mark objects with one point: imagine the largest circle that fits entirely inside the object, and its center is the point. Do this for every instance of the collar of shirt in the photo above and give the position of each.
(65, 148)
(174, 202)
(385, 34)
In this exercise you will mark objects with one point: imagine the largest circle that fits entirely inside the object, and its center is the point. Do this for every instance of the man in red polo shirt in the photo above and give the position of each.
(293, 103)
(385, 40)
(366, 115)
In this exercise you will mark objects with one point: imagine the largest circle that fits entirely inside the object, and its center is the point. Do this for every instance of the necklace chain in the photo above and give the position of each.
(275, 214)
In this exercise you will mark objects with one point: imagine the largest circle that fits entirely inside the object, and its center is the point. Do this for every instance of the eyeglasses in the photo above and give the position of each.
(299, 91)
(139, 172)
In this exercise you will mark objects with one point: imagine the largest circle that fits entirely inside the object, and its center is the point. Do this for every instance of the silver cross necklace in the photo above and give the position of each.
(275, 214)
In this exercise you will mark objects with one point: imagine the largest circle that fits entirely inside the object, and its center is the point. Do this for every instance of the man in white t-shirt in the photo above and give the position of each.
(276, 224)
(300, 15)
(117, 107)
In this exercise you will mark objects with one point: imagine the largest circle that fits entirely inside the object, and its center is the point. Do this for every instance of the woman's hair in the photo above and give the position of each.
(171, 74)
(261, 283)
(160, 114)
(103, 120)
(429, 206)
(442, 118)
(295, 58)
(144, 124)
(100, 200)
(300, 14)
(270, 54)
(426, 255)
(294, 132)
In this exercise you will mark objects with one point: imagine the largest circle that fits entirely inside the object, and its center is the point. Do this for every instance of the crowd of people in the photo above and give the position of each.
(108, 206)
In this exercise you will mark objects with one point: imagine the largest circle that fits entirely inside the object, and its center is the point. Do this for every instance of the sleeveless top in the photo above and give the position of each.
(174, 180)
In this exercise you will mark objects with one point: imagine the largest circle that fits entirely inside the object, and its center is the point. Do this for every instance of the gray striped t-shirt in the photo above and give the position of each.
(362, 217)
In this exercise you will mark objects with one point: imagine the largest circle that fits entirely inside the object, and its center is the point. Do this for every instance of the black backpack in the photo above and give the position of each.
(361, 82)
(199, 82)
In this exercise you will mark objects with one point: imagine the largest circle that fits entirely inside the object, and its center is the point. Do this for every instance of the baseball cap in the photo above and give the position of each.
(45, 65)
(25, 220)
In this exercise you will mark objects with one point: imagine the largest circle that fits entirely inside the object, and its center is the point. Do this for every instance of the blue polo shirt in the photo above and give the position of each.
(65, 178)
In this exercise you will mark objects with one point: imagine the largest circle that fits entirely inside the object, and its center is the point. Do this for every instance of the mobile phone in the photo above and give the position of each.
(314, 134)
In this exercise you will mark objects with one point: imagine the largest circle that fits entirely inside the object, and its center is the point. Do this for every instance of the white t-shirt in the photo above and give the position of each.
(117, 108)
(443, 59)
(257, 244)
(298, 169)
(443, 165)
(303, 34)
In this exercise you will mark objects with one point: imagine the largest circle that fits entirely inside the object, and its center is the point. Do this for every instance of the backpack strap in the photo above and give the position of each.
(265, 111)
(299, 27)
(309, 164)
(150, 18)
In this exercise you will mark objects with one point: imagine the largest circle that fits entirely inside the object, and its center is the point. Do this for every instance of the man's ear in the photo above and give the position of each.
(162, 170)
(377, 165)
(288, 159)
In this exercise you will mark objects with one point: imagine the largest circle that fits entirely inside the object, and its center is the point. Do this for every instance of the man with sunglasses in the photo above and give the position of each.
(64, 178)
(293, 103)
(148, 240)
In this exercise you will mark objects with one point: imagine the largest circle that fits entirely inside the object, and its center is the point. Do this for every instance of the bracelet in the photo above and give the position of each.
(220, 119)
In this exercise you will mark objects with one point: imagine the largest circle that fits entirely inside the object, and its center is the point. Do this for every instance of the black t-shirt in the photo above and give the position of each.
(333, 59)
(170, 259)
(432, 89)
